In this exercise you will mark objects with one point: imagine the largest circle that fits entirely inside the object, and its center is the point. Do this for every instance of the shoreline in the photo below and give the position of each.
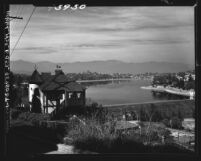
(170, 90)
(110, 80)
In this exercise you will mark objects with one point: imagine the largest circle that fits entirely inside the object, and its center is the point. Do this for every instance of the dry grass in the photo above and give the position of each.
(103, 138)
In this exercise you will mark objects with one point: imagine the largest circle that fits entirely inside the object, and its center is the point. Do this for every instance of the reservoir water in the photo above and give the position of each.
(120, 92)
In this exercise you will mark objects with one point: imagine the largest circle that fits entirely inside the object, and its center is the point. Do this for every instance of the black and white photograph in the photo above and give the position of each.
(101, 80)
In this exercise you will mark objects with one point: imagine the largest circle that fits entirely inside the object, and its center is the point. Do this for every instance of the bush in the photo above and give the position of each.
(91, 129)
(190, 85)
(96, 112)
(15, 113)
(90, 133)
(166, 122)
(33, 118)
(122, 145)
(176, 123)
(103, 138)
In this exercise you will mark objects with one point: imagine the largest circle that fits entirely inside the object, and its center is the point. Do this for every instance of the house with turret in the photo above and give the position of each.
(56, 92)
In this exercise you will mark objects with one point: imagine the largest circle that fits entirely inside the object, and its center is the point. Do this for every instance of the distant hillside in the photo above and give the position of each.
(111, 66)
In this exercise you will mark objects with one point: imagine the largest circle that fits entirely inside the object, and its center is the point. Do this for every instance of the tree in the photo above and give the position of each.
(193, 112)
(181, 83)
(142, 114)
(134, 115)
(149, 116)
(190, 85)
(36, 104)
(151, 112)
(190, 78)
(166, 122)
(180, 114)
(176, 123)
(19, 80)
(159, 80)
(181, 74)
(157, 116)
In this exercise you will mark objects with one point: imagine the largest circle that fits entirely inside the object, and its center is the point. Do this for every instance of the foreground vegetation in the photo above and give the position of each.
(103, 136)
(104, 139)
(156, 112)
(96, 128)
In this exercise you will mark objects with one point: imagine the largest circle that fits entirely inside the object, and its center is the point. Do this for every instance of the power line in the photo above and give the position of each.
(23, 30)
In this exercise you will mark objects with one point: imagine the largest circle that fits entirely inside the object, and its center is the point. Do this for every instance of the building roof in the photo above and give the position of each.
(74, 86)
(56, 82)
(36, 78)
(61, 82)
(46, 76)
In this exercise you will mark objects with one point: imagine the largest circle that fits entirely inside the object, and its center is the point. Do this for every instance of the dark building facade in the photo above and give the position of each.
(56, 92)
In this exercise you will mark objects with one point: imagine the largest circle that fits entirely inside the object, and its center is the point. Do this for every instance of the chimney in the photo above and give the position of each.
(58, 70)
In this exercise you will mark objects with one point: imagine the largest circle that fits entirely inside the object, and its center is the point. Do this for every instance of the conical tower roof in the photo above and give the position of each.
(36, 78)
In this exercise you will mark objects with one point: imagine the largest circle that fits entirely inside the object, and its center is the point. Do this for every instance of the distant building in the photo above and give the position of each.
(189, 124)
(56, 91)
(192, 94)
(187, 76)
(179, 77)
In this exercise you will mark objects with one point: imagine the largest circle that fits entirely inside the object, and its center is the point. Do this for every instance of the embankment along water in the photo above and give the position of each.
(166, 108)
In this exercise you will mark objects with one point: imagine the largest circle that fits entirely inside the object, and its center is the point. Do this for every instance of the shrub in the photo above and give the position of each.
(90, 129)
(15, 113)
(96, 112)
(34, 118)
(103, 138)
(122, 145)
(166, 122)
(94, 105)
(176, 123)
(190, 85)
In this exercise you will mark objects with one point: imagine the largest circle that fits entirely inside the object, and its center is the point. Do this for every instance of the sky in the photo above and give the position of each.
(129, 34)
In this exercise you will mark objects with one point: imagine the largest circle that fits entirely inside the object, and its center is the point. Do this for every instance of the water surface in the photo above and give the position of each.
(121, 92)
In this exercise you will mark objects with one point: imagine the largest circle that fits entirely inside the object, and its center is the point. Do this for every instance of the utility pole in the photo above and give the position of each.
(7, 65)
(15, 17)
(5, 110)
(9, 18)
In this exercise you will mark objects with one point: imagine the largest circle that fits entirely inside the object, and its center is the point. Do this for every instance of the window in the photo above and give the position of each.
(70, 95)
(78, 95)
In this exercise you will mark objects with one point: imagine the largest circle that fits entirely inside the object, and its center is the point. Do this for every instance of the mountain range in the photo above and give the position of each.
(110, 66)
